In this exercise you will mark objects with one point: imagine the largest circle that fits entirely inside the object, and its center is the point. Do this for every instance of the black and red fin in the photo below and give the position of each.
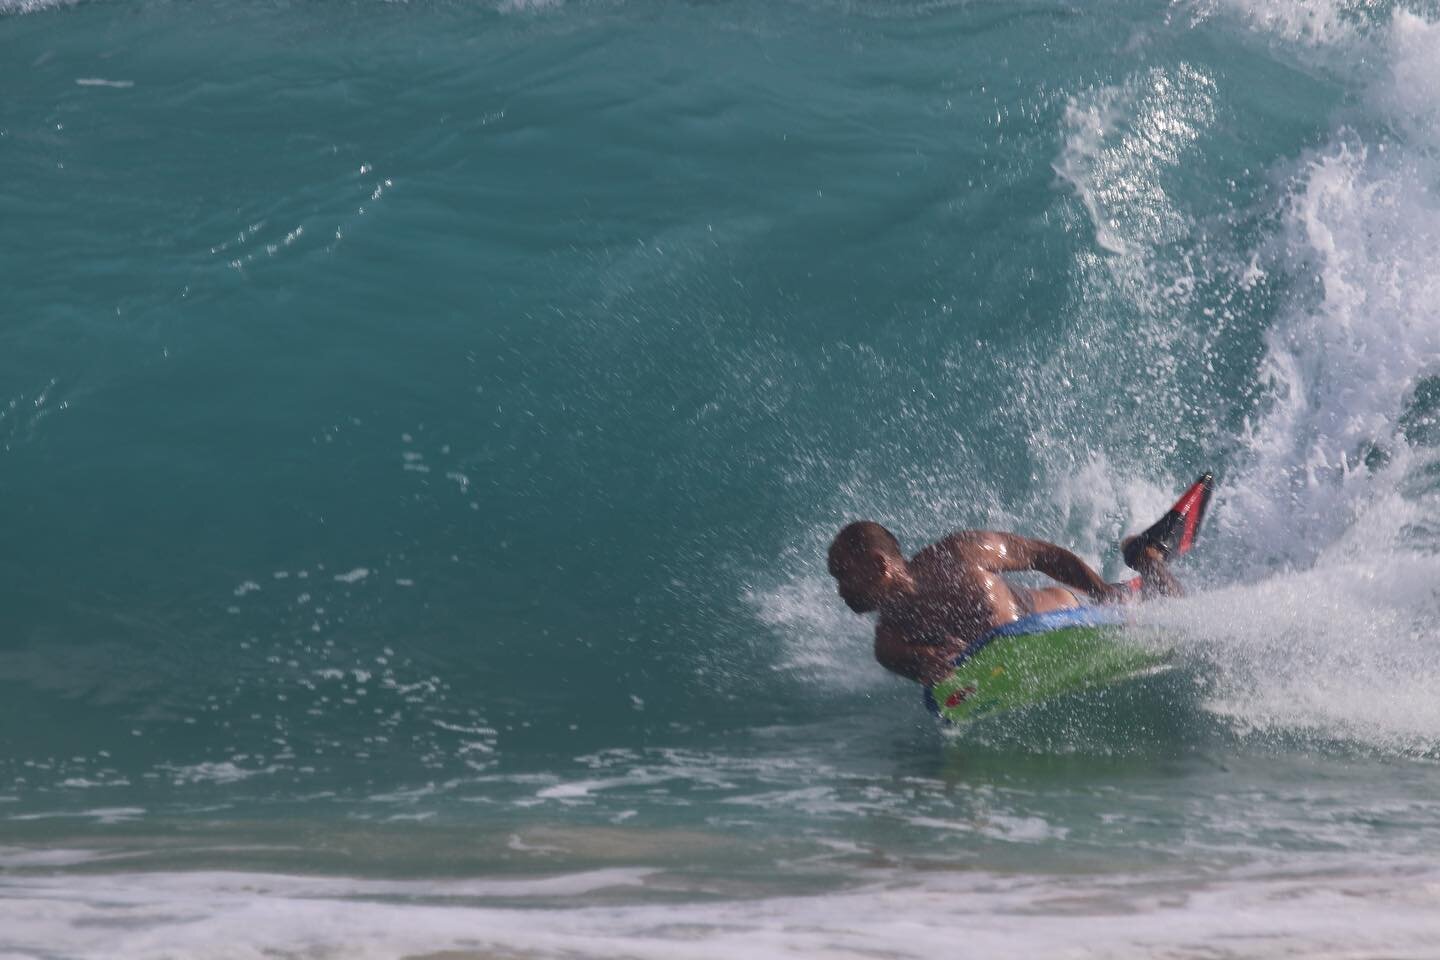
(1175, 532)
(1189, 513)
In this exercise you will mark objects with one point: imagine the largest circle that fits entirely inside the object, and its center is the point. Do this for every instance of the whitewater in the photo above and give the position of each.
(422, 425)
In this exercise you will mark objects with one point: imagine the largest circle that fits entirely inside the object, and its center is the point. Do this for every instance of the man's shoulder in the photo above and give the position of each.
(962, 542)
(972, 535)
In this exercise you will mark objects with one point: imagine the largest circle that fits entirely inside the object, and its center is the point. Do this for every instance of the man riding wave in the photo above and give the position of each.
(938, 603)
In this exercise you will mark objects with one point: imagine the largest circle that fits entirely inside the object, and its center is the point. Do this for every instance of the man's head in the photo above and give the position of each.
(866, 561)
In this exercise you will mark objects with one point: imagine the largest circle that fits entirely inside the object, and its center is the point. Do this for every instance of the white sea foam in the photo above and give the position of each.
(635, 777)
(824, 640)
(1327, 483)
(524, 6)
(1310, 22)
(1124, 366)
(1323, 518)
(33, 6)
(21, 857)
(1379, 911)
(223, 772)
(1340, 372)
(100, 814)
(1119, 139)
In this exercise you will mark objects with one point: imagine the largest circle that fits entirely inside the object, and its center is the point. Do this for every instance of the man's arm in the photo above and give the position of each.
(923, 663)
(1008, 553)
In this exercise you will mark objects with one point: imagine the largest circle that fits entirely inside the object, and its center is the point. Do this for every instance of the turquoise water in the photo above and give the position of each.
(421, 426)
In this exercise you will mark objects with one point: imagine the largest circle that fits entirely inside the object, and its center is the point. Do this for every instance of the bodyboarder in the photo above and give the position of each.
(937, 604)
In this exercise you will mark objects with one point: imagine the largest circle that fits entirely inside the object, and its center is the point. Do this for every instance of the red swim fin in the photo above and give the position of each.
(1174, 534)
(1192, 508)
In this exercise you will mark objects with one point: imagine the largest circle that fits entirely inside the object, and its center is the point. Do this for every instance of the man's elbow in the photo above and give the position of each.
(906, 661)
(897, 657)
(885, 656)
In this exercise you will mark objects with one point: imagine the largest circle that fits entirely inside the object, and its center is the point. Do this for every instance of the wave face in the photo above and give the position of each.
(421, 426)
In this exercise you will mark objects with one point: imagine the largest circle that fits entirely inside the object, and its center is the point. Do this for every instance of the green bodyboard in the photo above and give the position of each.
(1020, 671)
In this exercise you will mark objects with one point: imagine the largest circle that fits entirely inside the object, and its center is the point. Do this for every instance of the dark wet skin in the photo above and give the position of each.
(951, 593)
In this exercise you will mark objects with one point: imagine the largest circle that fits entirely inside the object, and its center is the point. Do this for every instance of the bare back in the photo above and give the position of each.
(960, 593)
